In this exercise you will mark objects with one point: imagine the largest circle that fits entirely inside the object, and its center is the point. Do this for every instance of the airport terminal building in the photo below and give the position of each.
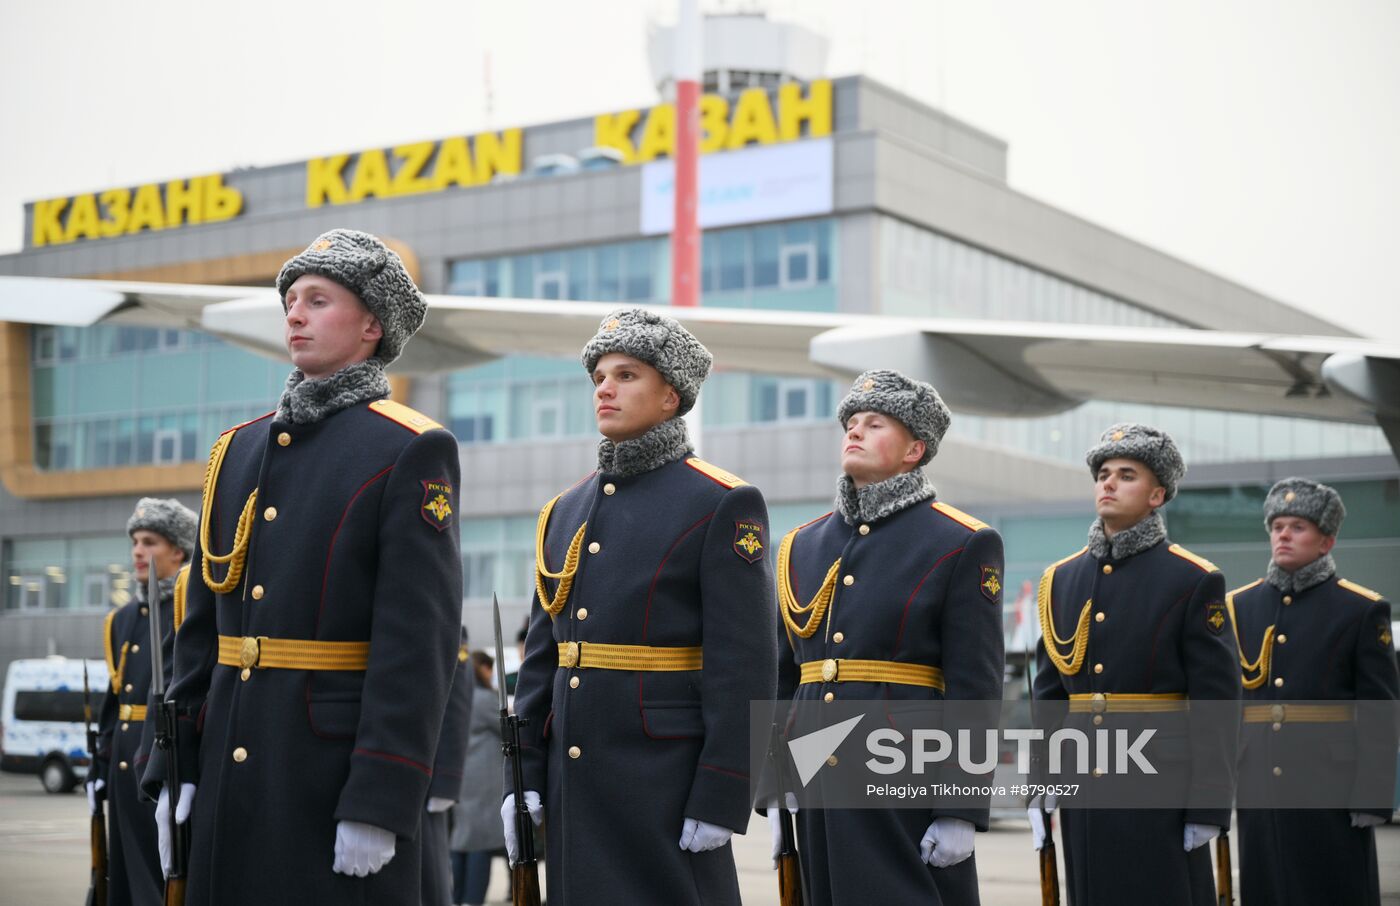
(836, 195)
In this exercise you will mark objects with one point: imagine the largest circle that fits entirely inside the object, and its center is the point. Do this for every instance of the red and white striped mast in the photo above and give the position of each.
(685, 231)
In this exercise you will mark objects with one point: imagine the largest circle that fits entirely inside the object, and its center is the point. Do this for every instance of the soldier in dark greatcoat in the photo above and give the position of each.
(313, 665)
(446, 786)
(636, 737)
(900, 601)
(1307, 636)
(162, 538)
(1131, 624)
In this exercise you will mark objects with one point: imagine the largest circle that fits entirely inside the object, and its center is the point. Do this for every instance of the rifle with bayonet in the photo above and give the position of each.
(1049, 859)
(167, 740)
(792, 887)
(97, 883)
(524, 873)
(1224, 876)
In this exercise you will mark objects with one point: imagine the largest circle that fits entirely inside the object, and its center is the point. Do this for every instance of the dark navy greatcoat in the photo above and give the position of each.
(1330, 642)
(134, 874)
(673, 557)
(349, 542)
(1164, 630)
(447, 782)
(925, 589)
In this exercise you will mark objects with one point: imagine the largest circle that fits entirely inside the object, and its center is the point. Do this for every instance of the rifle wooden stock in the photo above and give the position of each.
(525, 884)
(1049, 872)
(174, 892)
(1224, 876)
(789, 880)
(97, 886)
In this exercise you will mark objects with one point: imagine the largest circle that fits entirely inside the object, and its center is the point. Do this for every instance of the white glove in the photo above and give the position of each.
(361, 849)
(1358, 819)
(536, 810)
(701, 836)
(95, 786)
(947, 842)
(775, 825)
(1200, 834)
(1038, 833)
(436, 804)
(182, 814)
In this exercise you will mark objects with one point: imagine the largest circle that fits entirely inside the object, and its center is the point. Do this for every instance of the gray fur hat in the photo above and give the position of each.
(371, 270)
(168, 518)
(661, 342)
(1318, 503)
(915, 404)
(1150, 446)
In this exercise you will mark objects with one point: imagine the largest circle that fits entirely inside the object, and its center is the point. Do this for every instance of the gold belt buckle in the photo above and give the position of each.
(569, 656)
(1277, 713)
(1099, 703)
(251, 651)
(829, 669)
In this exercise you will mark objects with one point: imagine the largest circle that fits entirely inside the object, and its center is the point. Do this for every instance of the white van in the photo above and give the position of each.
(41, 719)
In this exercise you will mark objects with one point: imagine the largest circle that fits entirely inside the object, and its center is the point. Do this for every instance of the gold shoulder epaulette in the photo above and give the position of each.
(1242, 588)
(959, 516)
(112, 676)
(715, 473)
(182, 582)
(411, 419)
(1061, 562)
(1202, 562)
(1361, 590)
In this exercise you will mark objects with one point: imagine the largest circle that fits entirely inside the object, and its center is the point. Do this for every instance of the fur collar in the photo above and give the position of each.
(883, 498)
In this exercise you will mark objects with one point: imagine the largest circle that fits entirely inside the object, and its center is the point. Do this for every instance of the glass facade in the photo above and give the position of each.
(110, 396)
(67, 573)
(782, 265)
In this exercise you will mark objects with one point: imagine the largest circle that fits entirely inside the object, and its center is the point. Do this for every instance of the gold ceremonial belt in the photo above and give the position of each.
(598, 656)
(1298, 714)
(292, 654)
(843, 670)
(131, 712)
(1130, 702)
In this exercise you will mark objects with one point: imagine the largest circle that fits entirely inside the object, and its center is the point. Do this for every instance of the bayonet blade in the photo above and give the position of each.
(157, 651)
(500, 654)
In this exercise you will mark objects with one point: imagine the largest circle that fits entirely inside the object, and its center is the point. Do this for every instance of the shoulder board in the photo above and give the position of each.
(1202, 562)
(1243, 588)
(715, 473)
(1058, 563)
(959, 516)
(248, 422)
(811, 522)
(411, 419)
(1361, 590)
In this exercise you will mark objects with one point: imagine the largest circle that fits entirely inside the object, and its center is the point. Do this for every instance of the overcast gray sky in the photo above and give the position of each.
(1257, 138)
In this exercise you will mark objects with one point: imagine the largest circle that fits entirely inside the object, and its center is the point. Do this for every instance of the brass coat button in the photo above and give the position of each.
(122, 765)
(1279, 682)
(245, 673)
(1098, 668)
(865, 529)
(594, 547)
(833, 761)
(573, 682)
(240, 754)
(144, 611)
(270, 513)
(1107, 569)
(284, 438)
(610, 489)
(1098, 719)
(1278, 727)
(582, 613)
(128, 687)
(1281, 638)
(575, 751)
(1098, 617)
(135, 648)
(849, 581)
(257, 592)
(1097, 772)
(1288, 599)
(830, 696)
(1278, 772)
(125, 727)
(839, 637)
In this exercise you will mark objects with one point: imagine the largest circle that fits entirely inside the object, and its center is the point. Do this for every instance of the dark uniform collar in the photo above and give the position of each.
(662, 444)
(883, 498)
(1302, 578)
(1147, 533)
(305, 402)
(166, 586)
